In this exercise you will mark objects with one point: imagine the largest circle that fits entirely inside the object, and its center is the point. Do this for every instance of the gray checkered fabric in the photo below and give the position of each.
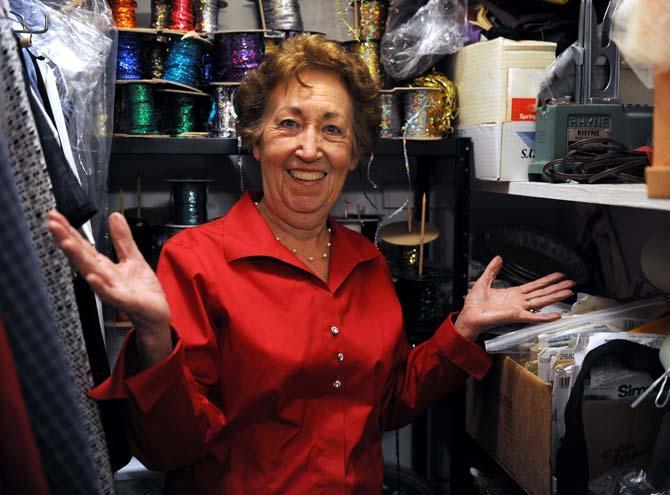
(65, 458)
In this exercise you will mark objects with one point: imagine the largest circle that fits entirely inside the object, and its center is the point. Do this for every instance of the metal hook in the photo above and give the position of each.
(24, 28)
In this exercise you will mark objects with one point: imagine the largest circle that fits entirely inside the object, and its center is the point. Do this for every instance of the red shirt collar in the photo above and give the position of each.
(247, 235)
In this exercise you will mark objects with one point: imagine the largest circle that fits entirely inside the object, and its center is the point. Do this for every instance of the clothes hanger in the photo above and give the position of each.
(663, 395)
(27, 42)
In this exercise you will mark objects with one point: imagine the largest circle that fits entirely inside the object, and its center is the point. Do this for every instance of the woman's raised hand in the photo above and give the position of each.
(486, 307)
(130, 285)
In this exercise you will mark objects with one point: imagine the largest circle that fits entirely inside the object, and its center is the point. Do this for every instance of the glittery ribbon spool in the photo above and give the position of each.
(179, 113)
(123, 12)
(391, 123)
(157, 56)
(282, 15)
(372, 19)
(236, 53)
(423, 113)
(368, 51)
(206, 15)
(161, 13)
(184, 61)
(189, 201)
(223, 117)
(129, 58)
(423, 299)
(134, 109)
(438, 80)
(182, 15)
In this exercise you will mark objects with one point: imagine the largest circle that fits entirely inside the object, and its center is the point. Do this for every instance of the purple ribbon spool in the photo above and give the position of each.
(236, 54)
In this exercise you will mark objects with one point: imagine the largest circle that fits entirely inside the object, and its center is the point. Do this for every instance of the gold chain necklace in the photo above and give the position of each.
(311, 259)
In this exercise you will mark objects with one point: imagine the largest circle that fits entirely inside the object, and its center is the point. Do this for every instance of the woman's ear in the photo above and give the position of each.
(256, 151)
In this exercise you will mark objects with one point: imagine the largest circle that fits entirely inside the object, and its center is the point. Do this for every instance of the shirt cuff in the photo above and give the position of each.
(461, 351)
(147, 386)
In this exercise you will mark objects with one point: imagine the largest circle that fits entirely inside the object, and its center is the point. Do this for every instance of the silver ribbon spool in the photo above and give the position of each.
(391, 123)
(223, 118)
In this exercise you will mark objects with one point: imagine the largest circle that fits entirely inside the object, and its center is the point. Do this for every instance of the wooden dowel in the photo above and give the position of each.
(423, 231)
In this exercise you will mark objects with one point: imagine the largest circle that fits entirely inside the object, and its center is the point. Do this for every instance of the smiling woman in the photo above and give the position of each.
(268, 355)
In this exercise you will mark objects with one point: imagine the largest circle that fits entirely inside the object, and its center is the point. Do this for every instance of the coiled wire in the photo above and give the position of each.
(598, 160)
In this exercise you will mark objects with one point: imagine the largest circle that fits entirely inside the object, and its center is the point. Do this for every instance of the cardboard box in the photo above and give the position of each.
(481, 72)
(501, 151)
(509, 414)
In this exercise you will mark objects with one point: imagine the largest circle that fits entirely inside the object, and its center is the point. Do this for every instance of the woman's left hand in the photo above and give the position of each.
(486, 307)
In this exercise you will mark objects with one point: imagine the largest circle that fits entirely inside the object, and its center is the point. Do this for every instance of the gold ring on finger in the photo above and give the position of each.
(529, 306)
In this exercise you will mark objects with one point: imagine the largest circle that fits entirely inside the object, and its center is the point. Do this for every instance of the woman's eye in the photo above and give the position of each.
(288, 123)
(333, 129)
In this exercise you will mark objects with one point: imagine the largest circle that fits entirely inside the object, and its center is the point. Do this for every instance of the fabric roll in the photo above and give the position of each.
(65, 458)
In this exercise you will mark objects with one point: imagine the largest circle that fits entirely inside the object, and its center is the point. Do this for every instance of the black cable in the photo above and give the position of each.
(598, 160)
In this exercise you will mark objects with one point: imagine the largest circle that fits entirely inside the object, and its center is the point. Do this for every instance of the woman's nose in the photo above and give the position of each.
(309, 149)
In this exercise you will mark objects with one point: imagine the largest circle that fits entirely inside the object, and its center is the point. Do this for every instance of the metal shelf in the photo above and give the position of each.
(630, 195)
(146, 145)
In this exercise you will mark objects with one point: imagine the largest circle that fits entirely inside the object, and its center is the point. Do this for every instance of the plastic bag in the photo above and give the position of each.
(415, 41)
(644, 310)
(641, 35)
(80, 45)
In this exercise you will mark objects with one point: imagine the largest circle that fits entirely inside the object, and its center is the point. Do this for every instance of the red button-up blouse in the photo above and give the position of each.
(280, 383)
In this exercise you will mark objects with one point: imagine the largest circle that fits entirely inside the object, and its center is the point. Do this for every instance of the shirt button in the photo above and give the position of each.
(334, 330)
(337, 384)
(340, 357)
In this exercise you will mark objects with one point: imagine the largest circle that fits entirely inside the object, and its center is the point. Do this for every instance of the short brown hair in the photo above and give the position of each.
(310, 52)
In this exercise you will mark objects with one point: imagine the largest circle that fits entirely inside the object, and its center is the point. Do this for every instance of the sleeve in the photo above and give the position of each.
(429, 371)
(173, 407)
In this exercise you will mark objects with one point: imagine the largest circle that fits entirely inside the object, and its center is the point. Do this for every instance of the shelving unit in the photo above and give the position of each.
(629, 195)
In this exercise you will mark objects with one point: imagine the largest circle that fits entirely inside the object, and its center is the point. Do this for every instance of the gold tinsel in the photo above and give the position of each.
(448, 90)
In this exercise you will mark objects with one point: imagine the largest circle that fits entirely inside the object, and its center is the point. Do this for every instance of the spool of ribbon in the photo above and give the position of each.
(180, 112)
(236, 53)
(123, 12)
(423, 113)
(157, 56)
(182, 15)
(206, 14)
(129, 58)
(371, 19)
(134, 109)
(443, 118)
(184, 61)
(161, 13)
(223, 117)
(391, 123)
(368, 51)
(189, 201)
(282, 15)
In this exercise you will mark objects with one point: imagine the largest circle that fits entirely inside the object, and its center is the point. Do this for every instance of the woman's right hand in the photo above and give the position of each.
(130, 285)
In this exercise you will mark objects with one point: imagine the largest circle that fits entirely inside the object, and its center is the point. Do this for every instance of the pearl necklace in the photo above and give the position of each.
(311, 259)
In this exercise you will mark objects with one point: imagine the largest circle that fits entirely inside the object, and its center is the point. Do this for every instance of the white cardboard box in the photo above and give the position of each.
(481, 72)
(501, 151)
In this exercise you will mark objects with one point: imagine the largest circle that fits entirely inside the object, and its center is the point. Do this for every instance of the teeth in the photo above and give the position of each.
(311, 176)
